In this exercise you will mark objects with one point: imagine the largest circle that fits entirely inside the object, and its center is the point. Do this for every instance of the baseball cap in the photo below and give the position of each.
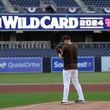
(66, 37)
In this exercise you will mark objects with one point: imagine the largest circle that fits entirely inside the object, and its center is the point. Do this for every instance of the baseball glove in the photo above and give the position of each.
(58, 49)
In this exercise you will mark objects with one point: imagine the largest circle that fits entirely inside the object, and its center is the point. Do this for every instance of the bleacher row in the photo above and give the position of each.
(34, 3)
(25, 3)
(22, 4)
(2, 7)
(96, 52)
(60, 3)
(27, 53)
(97, 3)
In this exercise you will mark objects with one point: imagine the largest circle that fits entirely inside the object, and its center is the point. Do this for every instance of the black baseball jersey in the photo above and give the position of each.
(70, 56)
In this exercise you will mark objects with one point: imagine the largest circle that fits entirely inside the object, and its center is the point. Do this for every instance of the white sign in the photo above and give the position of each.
(105, 64)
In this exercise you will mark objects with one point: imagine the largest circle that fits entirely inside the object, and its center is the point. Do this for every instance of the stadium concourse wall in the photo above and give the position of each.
(50, 65)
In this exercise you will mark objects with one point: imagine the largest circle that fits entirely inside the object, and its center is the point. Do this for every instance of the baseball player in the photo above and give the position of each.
(70, 72)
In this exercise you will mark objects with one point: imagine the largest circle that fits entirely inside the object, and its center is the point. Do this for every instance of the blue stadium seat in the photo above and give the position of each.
(33, 3)
(97, 3)
(27, 53)
(22, 5)
(97, 52)
(2, 7)
(25, 3)
(63, 5)
(66, 3)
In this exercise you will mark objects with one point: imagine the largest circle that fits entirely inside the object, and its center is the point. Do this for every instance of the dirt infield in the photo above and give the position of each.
(50, 88)
(71, 106)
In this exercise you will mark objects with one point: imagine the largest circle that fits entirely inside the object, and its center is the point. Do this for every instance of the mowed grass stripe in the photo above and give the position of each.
(52, 78)
(11, 100)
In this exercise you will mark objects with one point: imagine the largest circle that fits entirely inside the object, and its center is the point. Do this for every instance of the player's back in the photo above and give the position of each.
(70, 56)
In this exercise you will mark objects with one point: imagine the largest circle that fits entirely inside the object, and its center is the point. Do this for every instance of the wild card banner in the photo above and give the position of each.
(56, 22)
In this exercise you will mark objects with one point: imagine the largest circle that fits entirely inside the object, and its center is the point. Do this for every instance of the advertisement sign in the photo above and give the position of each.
(57, 22)
(20, 65)
(85, 64)
(56, 64)
(105, 64)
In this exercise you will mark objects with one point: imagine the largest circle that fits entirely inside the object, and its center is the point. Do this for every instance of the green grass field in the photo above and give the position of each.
(17, 99)
(50, 78)
(10, 100)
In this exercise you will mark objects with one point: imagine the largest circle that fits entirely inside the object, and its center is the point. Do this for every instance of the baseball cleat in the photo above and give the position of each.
(79, 101)
(64, 103)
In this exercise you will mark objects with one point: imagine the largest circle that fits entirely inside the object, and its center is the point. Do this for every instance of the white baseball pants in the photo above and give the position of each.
(69, 75)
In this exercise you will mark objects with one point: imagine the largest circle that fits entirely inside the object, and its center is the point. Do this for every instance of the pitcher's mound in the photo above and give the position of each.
(71, 106)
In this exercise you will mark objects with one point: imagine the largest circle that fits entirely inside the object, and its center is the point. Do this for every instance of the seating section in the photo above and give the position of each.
(97, 3)
(2, 7)
(66, 3)
(27, 53)
(97, 52)
(22, 5)
(25, 3)
(61, 3)
(43, 49)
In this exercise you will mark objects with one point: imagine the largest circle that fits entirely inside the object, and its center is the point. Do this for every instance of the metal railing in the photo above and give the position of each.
(47, 44)
(25, 45)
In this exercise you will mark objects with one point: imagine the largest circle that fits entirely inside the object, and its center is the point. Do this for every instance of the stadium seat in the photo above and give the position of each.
(97, 3)
(96, 52)
(27, 53)
(66, 3)
(25, 3)
(2, 7)
(21, 5)
(34, 6)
